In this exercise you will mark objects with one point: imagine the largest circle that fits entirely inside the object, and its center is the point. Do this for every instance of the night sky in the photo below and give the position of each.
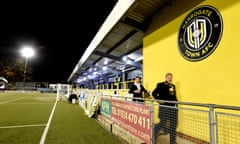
(59, 31)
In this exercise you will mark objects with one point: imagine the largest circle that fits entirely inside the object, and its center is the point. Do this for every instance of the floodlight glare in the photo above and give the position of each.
(27, 51)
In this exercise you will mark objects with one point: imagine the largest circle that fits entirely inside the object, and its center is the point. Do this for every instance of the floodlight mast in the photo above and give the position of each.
(27, 52)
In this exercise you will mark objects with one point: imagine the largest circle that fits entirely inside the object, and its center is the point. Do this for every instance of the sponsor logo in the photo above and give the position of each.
(200, 33)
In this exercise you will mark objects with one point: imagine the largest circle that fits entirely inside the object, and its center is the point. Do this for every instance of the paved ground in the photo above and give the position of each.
(164, 139)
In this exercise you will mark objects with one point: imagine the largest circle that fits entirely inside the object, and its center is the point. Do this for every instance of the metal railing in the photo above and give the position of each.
(189, 123)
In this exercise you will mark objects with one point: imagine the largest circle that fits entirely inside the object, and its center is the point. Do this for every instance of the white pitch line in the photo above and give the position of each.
(13, 100)
(28, 103)
(22, 126)
(44, 135)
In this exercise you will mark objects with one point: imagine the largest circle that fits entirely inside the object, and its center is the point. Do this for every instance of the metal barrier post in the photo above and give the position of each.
(152, 123)
(216, 129)
(211, 124)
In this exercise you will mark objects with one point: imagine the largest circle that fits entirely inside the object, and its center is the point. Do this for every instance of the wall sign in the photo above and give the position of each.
(200, 33)
(134, 118)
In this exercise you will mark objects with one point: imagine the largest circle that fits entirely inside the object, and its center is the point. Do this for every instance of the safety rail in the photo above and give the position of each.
(197, 123)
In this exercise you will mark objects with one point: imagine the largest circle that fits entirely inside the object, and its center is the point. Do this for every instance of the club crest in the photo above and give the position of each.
(200, 33)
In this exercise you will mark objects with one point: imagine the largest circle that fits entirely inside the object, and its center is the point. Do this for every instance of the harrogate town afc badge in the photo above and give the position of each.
(200, 33)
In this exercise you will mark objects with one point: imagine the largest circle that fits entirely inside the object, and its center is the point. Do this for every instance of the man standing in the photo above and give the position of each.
(137, 90)
(167, 111)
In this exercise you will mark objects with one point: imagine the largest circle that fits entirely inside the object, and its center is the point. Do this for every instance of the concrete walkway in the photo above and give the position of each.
(164, 139)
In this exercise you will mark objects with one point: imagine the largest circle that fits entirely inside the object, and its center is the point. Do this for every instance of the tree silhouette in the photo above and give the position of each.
(12, 69)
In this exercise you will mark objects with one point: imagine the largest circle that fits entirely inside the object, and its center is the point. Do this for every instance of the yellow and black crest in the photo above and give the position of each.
(200, 33)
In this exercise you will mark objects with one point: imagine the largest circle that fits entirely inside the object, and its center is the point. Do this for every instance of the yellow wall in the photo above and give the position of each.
(215, 79)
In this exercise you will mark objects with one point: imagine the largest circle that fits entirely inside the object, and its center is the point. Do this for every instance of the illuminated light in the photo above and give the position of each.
(125, 58)
(79, 80)
(105, 62)
(27, 51)
(104, 68)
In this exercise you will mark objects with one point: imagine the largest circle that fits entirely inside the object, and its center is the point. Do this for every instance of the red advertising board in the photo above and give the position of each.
(133, 117)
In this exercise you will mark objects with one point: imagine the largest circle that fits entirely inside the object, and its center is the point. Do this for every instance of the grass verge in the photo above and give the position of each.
(70, 125)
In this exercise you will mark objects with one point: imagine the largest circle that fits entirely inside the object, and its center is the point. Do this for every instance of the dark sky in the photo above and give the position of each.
(59, 31)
